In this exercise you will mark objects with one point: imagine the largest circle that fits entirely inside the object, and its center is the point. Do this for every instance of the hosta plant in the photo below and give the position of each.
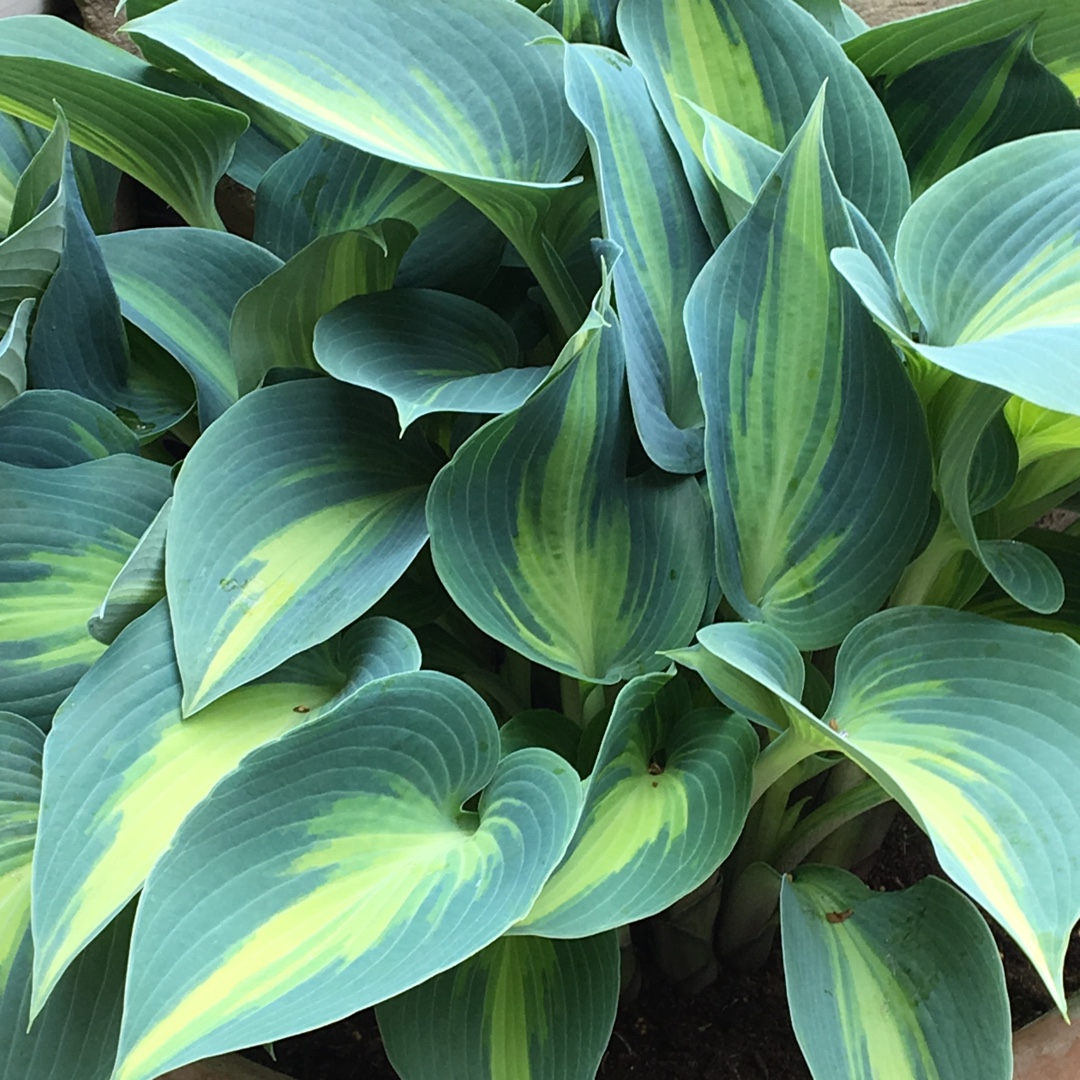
(602, 481)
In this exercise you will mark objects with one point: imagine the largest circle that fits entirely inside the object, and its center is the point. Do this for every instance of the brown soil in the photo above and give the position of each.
(737, 1029)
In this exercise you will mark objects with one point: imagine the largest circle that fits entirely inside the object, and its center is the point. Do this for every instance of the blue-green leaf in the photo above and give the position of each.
(524, 1008)
(293, 514)
(13, 353)
(428, 351)
(353, 872)
(647, 208)
(544, 543)
(807, 411)
(905, 985)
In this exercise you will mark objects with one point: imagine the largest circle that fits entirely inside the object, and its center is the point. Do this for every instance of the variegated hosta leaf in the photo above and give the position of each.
(180, 286)
(905, 985)
(293, 514)
(524, 1008)
(76, 1034)
(590, 21)
(428, 351)
(79, 340)
(648, 209)
(974, 475)
(973, 725)
(807, 409)
(545, 544)
(273, 324)
(759, 64)
(897, 47)
(138, 586)
(49, 429)
(13, 353)
(987, 258)
(353, 874)
(64, 534)
(21, 744)
(483, 107)
(666, 802)
(995, 93)
(326, 186)
(123, 770)
(148, 123)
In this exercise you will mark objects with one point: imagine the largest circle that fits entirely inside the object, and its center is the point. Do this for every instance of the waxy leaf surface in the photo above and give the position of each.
(340, 870)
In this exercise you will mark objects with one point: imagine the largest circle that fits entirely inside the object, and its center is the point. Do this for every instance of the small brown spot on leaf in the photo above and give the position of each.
(839, 916)
(301, 709)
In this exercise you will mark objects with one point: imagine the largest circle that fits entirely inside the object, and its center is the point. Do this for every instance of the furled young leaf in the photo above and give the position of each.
(79, 342)
(906, 985)
(293, 514)
(759, 65)
(64, 535)
(76, 1034)
(544, 543)
(524, 1008)
(647, 208)
(352, 874)
(326, 186)
(428, 351)
(123, 770)
(483, 108)
(808, 411)
(974, 475)
(898, 46)
(836, 17)
(50, 429)
(986, 258)
(138, 586)
(18, 144)
(590, 21)
(13, 354)
(273, 324)
(949, 110)
(666, 802)
(180, 287)
(144, 121)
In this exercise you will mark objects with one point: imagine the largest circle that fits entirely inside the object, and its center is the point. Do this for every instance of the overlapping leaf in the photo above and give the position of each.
(293, 514)
(428, 351)
(483, 108)
(665, 803)
(64, 535)
(49, 429)
(647, 208)
(326, 186)
(524, 1008)
(949, 110)
(180, 287)
(897, 47)
(274, 323)
(987, 258)
(122, 769)
(807, 412)
(973, 726)
(146, 122)
(759, 65)
(544, 543)
(13, 353)
(353, 874)
(906, 985)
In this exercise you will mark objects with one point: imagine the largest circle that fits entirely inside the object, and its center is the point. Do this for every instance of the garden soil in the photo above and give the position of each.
(737, 1029)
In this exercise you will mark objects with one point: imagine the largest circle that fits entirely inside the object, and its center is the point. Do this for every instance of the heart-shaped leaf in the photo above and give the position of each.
(293, 514)
(544, 543)
(524, 1007)
(906, 985)
(336, 895)
(664, 805)
(428, 351)
(123, 770)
